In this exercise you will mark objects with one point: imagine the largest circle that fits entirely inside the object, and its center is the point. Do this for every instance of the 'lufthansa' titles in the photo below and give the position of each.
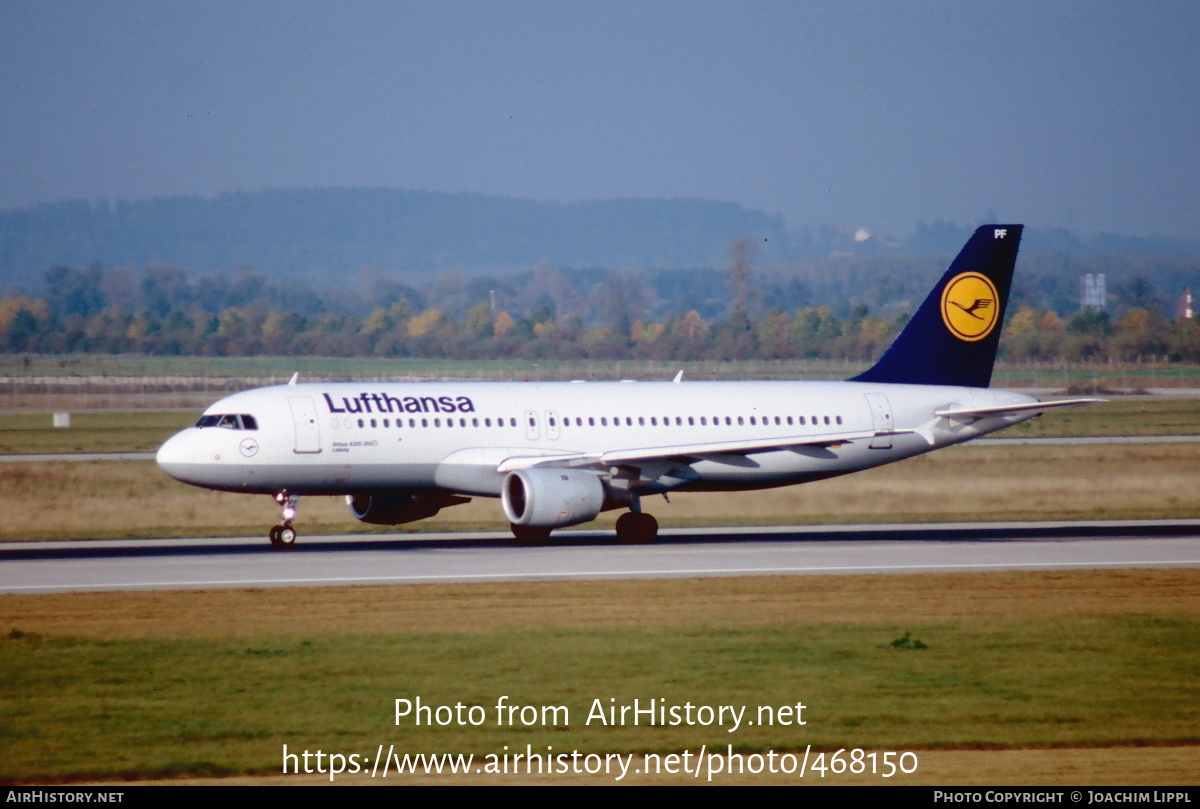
(386, 403)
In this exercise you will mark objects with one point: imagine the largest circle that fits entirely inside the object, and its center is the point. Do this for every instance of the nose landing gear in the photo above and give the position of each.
(283, 536)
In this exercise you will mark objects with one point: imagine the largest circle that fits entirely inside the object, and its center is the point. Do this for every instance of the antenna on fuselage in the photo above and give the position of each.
(295, 376)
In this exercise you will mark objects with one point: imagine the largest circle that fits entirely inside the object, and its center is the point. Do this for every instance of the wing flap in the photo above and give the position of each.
(688, 452)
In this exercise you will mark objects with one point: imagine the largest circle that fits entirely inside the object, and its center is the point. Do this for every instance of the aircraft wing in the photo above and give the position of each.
(973, 413)
(688, 452)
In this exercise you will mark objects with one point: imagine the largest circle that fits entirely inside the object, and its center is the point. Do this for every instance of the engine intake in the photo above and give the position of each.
(552, 498)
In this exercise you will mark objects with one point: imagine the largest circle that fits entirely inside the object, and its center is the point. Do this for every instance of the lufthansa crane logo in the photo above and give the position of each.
(970, 306)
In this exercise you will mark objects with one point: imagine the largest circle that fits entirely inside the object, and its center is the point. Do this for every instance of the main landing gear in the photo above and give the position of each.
(529, 534)
(636, 528)
(283, 536)
(632, 529)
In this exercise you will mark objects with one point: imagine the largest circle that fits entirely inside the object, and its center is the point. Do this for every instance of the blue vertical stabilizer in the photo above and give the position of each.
(952, 339)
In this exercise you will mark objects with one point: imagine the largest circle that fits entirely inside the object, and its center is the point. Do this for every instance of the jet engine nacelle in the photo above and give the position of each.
(552, 498)
(402, 507)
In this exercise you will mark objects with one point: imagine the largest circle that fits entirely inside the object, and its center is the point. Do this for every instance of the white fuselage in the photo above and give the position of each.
(345, 438)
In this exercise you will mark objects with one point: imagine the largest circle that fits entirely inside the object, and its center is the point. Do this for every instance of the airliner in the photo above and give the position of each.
(557, 454)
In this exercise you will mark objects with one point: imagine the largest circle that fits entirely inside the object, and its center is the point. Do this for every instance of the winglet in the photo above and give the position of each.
(678, 377)
(295, 376)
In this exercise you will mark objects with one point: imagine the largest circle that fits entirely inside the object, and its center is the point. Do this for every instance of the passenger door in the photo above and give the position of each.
(304, 417)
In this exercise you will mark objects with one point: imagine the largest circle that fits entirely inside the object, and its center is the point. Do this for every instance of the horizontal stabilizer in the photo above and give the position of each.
(972, 413)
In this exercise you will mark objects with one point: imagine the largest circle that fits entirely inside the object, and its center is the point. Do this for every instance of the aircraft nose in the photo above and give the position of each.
(179, 454)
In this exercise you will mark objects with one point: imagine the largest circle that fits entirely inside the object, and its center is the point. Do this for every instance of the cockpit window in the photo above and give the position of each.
(230, 421)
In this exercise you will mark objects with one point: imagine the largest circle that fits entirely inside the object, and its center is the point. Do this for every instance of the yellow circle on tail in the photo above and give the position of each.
(970, 306)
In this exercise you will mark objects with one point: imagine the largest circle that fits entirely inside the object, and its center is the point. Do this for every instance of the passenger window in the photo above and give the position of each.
(641, 421)
(752, 424)
(691, 421)
(704, 421)
(789, 421)
(360, 422)
(372, 423)
(603, 421)
(839, 419)
(474, 422)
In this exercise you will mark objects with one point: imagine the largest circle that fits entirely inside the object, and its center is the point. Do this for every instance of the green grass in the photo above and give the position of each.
(86, 707)
(92, 431)
(1114, 418)
(1053, 375)
(146, 430)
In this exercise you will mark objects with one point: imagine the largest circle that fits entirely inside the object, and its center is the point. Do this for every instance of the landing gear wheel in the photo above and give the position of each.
(636, 529)
(530, 534)
(283, 537)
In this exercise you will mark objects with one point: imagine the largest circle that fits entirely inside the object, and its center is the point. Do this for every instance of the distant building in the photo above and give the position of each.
(1094, 293)
(1184, 310)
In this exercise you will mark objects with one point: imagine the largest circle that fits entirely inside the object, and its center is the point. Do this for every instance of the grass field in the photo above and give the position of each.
(92, 431)
(134, 499)
(77, 383)
(213, 683)
(146, 430)
(1026, 678)
(1043, 374)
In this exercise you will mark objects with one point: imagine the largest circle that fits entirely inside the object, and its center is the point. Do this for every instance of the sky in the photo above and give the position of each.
(1082, 115)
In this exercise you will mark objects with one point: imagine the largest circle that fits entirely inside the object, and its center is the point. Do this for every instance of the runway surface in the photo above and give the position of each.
(422, 558)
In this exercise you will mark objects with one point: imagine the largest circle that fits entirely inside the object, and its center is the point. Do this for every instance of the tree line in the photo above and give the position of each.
(737, 313)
